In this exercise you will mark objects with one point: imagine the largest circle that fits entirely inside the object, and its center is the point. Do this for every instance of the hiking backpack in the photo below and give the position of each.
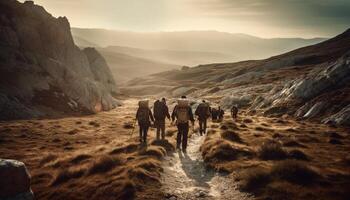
(203, 110)
(158, 110)
(182, 111)
(143, 115)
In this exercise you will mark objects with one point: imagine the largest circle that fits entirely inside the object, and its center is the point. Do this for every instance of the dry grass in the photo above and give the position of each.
(231, 136)
(298, 155)
(295, 172)
(253, 179)
(169, 147)
(65, 175)
(219, 150)
(155, 151)
(271, 150)
(104, 164)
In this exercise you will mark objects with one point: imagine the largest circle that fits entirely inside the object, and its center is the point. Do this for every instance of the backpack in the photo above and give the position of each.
(182, 111)
(143, 115)
(158, 110)
(203, 110)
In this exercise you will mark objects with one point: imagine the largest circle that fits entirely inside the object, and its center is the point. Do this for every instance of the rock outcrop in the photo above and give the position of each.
(42, 71)
(14, 181)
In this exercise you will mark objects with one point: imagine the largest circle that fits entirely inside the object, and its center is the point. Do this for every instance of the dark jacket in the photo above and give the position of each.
(190, 113)
(203, 111)
(164, 113)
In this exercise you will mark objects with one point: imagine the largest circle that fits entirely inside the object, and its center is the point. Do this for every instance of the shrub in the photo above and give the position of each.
(271, 151)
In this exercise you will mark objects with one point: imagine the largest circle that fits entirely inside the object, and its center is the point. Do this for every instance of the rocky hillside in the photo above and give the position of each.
(309, 83)
(43, 73)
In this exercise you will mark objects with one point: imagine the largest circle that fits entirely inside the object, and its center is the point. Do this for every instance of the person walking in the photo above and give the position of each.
(234, 112)
(221, 113)
(144, 117)
(183, 114)
(160, 111)
(203, 113)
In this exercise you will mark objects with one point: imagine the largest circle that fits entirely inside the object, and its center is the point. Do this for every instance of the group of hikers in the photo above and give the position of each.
(182, 115)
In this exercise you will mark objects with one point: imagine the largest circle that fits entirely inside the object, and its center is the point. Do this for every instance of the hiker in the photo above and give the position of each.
(160, 112)
(234, 111)
(214, 114)
(144, 117)
(183, 114)
(203, 113)
(221, 113)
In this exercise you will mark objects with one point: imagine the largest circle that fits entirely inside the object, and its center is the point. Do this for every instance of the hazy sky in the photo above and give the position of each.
(264, 18)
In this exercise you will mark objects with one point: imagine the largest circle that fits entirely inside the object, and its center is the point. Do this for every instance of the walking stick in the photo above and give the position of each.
(133, 129)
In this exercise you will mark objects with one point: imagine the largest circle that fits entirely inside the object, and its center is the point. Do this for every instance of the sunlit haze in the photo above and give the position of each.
(263, 18)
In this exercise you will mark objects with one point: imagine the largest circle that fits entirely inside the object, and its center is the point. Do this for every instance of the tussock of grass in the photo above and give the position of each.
(104, 164)
(156, 151)
(297, 155)
(291, 171)
(148, 164)
(217, 150)
(271, 150)
(292, 143)
(247, 120)
(125, 149)
(277, 135)
(95, 124)
(254, 178)
(65, 175)
(211, 132)
(334, 135)
(170, 132)
(169, 147)
(335, 141)
(214, 126)
(231, 136)
(243, 126)
(48, 158)
(143, 175)
(295, 172)
(128, 125)
(80, 157)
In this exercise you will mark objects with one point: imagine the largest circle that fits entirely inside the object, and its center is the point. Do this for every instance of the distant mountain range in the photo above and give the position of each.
(189, 47)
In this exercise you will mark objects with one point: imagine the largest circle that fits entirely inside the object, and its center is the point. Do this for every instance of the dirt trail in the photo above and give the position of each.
(186, 177)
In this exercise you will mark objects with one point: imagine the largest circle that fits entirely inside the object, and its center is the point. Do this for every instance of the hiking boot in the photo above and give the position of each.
(184, 150)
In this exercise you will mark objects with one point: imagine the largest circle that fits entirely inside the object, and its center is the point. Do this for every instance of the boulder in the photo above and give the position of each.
(14, 181)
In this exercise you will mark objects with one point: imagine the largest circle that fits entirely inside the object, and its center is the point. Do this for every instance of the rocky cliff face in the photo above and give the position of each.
(42, 71)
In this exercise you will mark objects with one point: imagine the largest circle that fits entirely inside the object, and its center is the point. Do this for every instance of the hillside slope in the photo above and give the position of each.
(42, 72)
(125, 67)
(311, 82)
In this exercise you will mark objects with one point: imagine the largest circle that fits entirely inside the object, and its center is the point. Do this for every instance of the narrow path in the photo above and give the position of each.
(186, 177)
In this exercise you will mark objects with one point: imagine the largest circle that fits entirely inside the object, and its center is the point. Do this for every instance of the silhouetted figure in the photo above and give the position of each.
(214, 114)
(234, 112)
(160, 112)
(203, 113)
(183, 114)
(221, 114)
(144, 117)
